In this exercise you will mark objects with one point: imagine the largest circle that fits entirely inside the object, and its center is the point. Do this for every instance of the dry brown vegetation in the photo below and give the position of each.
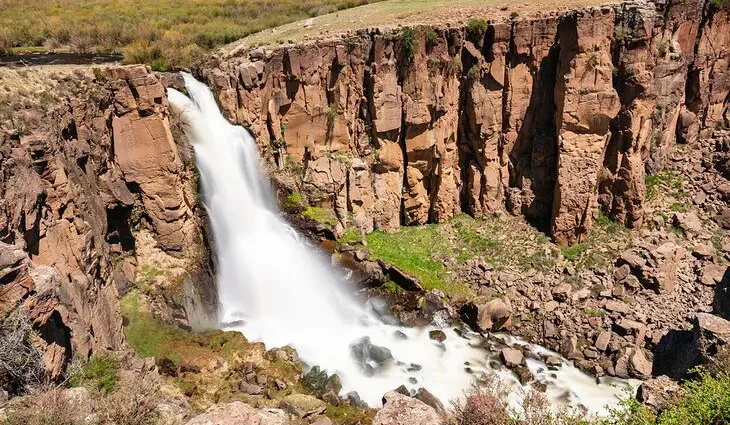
(163, 33)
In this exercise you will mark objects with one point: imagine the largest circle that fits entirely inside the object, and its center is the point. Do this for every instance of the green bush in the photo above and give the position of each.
(409, 42)
(477, 26)
(100, 373)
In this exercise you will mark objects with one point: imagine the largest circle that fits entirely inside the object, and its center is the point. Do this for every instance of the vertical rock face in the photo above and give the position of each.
(74, 185)
(552, 117)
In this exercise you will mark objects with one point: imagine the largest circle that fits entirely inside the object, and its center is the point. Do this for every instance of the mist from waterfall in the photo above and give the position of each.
(274, 288)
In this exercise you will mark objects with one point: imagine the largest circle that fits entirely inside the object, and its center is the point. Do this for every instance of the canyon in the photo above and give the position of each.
(552, 116)
(556, 119)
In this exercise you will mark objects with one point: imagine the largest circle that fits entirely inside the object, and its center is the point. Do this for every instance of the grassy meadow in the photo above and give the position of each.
(162, 33)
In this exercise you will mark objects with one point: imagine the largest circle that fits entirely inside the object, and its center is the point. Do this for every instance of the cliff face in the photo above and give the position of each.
(551, 116)
(86, 165)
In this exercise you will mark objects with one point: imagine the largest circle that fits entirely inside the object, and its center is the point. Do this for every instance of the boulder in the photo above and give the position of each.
(689, 222)
(657, 393)
(511, 357)
(632, 363)
(399, 409)
(239, 413)
(488, 314)
(365, 352)
(302, 405)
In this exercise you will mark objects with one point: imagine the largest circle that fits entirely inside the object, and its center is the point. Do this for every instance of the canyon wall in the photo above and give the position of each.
(554, 116)
(87, 166)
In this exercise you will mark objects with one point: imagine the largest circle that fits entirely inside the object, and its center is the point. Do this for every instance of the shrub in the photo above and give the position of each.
(409, 42)
(718, 3)
(100, 373)
(431, 37)
(179, 49)
(140, 51)
(46, 408)
(481, 408)
(477, 26)
(134, 403)
(484, 404)
(21, 364)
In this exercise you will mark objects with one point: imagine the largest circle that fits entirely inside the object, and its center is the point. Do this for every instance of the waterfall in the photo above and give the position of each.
(273, 288)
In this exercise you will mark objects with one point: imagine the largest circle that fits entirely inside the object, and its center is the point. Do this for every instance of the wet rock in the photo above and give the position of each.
(238, 413)
(364, 351)
(437, 335)
(318, 382)
(403, 410)
(657, 393)
(302, 405)
(511, 357)
(403, 390)
(523, 374)
(354, 398)
(553, 361)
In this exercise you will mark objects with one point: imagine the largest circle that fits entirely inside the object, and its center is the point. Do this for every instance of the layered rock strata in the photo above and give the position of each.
(552, 116)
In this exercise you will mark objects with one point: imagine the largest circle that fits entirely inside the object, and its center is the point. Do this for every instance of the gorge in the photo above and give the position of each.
(315, 216)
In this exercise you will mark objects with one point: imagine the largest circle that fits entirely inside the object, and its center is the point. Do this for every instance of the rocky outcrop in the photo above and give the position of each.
(551, 116)
(399, 409)
(239, 413)
(82, 174)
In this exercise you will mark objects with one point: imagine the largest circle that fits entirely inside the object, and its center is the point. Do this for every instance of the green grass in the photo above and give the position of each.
(410, 249)
(705, 400)
(597, 312)
(161, 32)
(320, 215)
(351, 237)
(99, 373)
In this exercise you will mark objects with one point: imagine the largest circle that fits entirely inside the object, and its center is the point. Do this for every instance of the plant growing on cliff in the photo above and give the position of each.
(593, 60)
(409, 42)
(718, 4)
(21, 365)
(431, 37)
(623, 33)
(477, 27)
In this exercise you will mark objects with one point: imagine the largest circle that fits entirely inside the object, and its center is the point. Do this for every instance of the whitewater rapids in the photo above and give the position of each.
(273, 288)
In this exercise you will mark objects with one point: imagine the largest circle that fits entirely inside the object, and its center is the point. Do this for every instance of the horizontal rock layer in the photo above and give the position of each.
(550, 116)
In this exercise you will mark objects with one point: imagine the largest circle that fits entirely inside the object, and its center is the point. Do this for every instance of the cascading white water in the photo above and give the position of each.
(273, 288)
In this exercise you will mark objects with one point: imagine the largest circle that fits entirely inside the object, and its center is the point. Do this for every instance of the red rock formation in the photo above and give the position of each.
(549, 116)
(73, 185)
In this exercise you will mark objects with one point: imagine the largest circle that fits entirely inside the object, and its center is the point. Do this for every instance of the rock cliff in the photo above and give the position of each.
(553, 116)
(88, 163)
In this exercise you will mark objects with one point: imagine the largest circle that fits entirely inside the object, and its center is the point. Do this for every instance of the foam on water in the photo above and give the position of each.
(273, 288)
